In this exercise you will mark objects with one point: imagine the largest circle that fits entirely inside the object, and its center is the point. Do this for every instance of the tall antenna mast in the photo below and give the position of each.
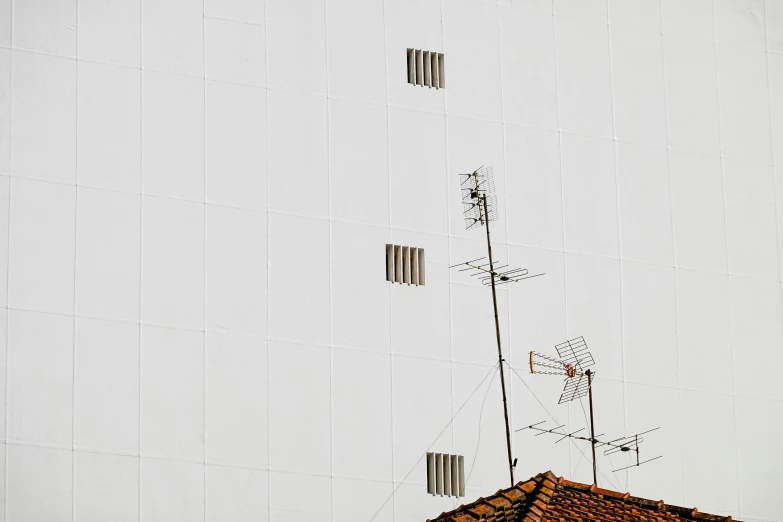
(479, 208)
(574, 357)
(497, 333)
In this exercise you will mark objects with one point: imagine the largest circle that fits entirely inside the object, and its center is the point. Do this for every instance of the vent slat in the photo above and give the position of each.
(441, 71)
(390, 263)
(419, 68)
(435, 71)
(461, 463)
(439, 473)
(447, 475)
(421, 267)
(427, 69)
(430, 473)
(406, 265)
(414, 266)
(397, 264)
(411, 55)
(455, 475)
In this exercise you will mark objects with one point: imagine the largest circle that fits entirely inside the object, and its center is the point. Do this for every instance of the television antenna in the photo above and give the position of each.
(573, 362)
(479, 208)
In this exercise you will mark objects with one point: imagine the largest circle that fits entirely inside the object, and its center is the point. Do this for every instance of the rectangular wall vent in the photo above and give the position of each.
(405, 265)
(445, 475)
(426, 68)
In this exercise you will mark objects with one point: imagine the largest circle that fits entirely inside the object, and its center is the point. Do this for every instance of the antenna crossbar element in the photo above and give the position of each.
(622, 441)
(570, 435)
(548, 431)
(553, 431)
(625, 447)
(638, 463)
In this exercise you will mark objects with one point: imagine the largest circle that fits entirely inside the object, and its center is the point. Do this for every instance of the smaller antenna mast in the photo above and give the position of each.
(574, 358)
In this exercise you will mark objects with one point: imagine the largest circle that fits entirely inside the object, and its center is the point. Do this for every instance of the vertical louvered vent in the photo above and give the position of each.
(445, 475)
(405, 265)
(426, 68)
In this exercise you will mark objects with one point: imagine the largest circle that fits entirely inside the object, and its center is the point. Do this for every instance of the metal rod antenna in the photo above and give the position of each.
(592, 424)
(636, 445)
(500, 351)
(479, 208)
(574, 358)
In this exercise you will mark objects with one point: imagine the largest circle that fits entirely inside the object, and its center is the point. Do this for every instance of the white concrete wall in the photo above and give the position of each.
(195, 200)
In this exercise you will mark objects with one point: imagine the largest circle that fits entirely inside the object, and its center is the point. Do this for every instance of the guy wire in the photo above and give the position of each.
(494, 367)
(584, 413)
(481, 414)
(553, 418)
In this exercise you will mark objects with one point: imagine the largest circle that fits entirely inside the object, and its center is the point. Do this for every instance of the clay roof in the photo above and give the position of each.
(547, 498)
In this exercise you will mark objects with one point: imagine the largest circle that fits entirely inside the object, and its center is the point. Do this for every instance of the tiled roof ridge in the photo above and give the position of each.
(682, 512)
(528, 501)
(525, 498)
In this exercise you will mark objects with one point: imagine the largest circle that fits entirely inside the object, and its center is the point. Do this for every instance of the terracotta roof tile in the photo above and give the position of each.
(547, 498)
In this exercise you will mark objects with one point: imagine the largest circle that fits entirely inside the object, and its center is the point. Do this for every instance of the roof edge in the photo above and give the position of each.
(530, 494)
(530, 498)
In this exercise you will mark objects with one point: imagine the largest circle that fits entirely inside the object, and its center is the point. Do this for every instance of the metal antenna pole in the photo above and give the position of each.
(500, 352)
(478, 210)
(592, 424)
(636, 445)
(573, 358)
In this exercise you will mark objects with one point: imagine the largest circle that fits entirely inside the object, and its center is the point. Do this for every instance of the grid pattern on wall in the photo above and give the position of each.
(193, 196)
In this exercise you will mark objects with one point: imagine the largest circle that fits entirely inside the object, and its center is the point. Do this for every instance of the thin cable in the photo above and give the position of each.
(433, 443)
(577, 463)
(584, 414)
(581, 403)
(611, 462)
(553, 418)
(481, 414)
(627, 475)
